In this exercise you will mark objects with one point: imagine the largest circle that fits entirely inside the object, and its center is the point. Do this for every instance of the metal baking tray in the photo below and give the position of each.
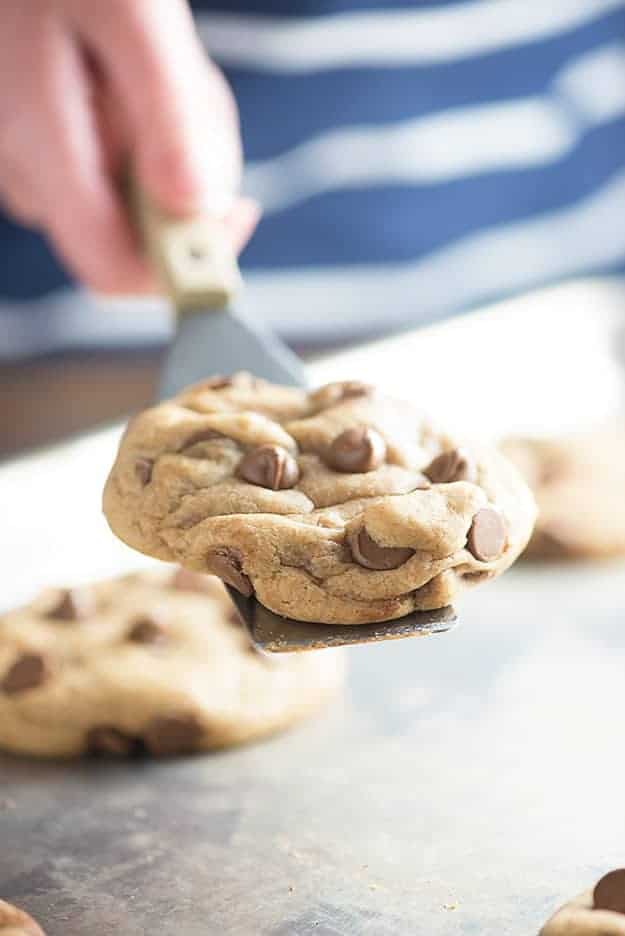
(464, 784)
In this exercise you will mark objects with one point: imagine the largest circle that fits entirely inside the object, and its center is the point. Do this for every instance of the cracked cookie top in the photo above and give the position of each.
(338, 506)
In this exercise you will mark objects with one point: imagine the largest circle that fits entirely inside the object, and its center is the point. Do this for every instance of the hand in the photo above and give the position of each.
(85, 85)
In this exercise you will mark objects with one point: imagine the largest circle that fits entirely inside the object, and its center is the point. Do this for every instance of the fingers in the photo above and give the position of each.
(17, 196)
(180, 113)
(51, 150)
(63, 129)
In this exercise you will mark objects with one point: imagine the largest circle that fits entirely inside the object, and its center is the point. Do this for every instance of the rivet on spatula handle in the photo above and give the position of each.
(192, 255)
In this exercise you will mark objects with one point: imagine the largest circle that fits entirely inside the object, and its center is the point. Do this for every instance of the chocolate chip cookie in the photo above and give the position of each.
(155, 662)
(599, 912)
(575, 480)
(14, 922)
(338, 506)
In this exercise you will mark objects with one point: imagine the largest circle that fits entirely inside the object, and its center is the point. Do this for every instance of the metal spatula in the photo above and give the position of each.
(200, 275)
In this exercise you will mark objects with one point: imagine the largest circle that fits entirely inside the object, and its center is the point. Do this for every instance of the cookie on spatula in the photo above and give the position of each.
(339, 506)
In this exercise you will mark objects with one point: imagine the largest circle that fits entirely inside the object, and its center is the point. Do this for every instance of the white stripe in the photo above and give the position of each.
(415, 37)
(517, 134)
(584, 238)
(594, 84)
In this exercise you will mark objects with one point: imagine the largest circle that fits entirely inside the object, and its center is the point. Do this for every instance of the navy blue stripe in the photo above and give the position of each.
(398, 223)
(296, 9)
(315, 103)
(28, 270)
(379, 225)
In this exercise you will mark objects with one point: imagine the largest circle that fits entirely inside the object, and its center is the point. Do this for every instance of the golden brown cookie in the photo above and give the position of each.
(598, 912)
(15, 922)
(155, 662)
(338, 506)
(576, 481)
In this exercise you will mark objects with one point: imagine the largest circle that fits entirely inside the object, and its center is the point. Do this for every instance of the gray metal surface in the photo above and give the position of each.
(276, 634)
(464, 786)
(222, 342)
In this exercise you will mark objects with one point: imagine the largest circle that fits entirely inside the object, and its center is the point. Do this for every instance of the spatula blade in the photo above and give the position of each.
(223, 342)
(271, 633)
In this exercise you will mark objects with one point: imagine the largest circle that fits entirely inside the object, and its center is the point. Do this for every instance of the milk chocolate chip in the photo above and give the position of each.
(147, 630)
(143, 470)
(226, 563)
(104, 739)
(28, 672)
(609, 892)
(357, 450)
(487, 536)
(453, 465)
(269, 466)
(74, 604)
(173, 734)
(371, 555)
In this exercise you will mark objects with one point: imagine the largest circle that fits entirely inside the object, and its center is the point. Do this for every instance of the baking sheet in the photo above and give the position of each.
(465, 784)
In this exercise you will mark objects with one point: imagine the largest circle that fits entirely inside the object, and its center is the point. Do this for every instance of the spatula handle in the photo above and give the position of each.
(197, 266)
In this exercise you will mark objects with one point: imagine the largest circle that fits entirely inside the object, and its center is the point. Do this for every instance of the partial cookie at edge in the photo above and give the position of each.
(577, 482)
(16, 922)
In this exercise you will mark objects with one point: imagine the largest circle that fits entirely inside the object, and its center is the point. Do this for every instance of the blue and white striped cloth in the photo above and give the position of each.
(416, 158)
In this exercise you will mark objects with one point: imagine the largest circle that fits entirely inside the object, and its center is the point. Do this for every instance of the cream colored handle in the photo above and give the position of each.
(195, 263)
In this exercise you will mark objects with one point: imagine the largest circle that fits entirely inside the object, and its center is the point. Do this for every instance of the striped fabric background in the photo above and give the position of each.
(416, 158)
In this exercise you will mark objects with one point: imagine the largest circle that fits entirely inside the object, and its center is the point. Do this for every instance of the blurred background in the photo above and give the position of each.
(413, 161)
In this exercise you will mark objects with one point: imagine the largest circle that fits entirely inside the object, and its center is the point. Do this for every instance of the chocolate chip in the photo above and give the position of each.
(487, 536)
(185, 580)
(74, 604)
(269, 466)
(609, 892)
(104, 739)
(143, 470)
(371, 555)
(357, 450)
(453, 465)
(226, 563)
(147, 630)
(173, 734)
(28, 672)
